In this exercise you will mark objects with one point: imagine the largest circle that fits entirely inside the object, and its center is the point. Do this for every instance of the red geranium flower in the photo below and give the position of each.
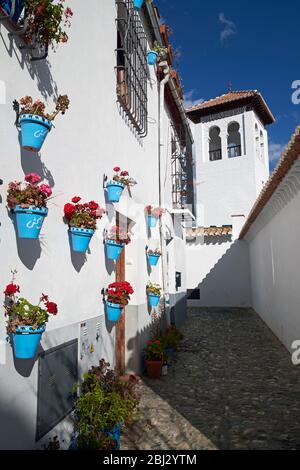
(11, 289)
(124, 173)
(117, 169)
(76, 199)
(44, 298)
(93, 205)
(69, 210)
(51, 307)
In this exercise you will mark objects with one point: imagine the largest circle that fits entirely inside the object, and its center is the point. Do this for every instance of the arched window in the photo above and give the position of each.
(215, 144)
(234, 140)
(262, 145)
(257, 149)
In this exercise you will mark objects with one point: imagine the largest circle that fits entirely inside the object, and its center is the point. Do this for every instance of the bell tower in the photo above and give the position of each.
(231, 155)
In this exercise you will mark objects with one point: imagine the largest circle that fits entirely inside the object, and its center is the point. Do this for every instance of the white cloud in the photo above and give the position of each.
(229, 27)
(275, 151)
(190, 101)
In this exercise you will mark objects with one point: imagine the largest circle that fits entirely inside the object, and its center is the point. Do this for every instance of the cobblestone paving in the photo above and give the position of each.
(232, 386)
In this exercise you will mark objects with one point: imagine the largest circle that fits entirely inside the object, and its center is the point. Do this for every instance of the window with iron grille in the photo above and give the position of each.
(131, 69)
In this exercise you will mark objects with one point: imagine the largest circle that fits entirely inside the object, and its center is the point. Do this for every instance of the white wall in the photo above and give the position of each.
(275, 259)
(220, 272)
(85, 144)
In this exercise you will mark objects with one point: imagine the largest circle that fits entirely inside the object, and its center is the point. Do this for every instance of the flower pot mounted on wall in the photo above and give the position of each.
(29, 221)
(153, 259)
(26, 341)
(114, 191)
(153, 300)
(34, 130)
(113, 311)
(152, 57)
(113, 249)
(80, 238)
(138, 4)
(152, 221)
(7, 5)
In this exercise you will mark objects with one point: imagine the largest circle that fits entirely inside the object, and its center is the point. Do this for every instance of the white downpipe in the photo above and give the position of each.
(161, 95)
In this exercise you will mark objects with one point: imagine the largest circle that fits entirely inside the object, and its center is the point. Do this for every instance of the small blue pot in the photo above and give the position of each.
(115, 433)
(34, 130)
(26, 341)
(153, 259)
(137, 4)
(113, 311)
(29, 221)
(152, 57)
(80, 238)
(114, 191)
(152, 221)
(113, 249)
(153, 300)
(19, 5)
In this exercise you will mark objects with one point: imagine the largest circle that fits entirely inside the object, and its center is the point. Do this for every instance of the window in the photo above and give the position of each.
(215, 144)
(262, 145)
(131, 69)
(234, 147)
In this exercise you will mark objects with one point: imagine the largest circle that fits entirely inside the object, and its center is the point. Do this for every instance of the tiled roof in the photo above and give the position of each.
(208, 231)
(231, 100)
(288, 158)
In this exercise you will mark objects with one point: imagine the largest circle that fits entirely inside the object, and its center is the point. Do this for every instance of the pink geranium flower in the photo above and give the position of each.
(46, 189)
(32, 178)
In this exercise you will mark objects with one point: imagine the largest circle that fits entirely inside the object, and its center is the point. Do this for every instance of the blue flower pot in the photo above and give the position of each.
(113, 311)
(114, 191)
(34, 130)
(80, 238)
(153, 259)
(170, 355)
(29, 221)
(152, 221)
(113, 249)
(138, 4)
(115, 433)
(19, 5)
(152, 57)
(26, 341)
(153, 300)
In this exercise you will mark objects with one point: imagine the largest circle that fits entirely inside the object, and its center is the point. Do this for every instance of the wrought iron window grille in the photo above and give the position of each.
(182, 172)
(131, 68)
(19, 29)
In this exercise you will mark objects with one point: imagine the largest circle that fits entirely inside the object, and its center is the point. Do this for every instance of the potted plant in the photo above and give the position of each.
(117, 296)
(82, 220)
(153, 214)
(35, 123)
(28, 202)
(116, 186)
(46, 22)
(170, 339)
(153, 293)
(138, 4)
(157, 54)
(26, 322)
(153, 256)
(154, 358)
(115, 241)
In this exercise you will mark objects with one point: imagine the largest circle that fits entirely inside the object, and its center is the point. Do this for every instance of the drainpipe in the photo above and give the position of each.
(161, 95)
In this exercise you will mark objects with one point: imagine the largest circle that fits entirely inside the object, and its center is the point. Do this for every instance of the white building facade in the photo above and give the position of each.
(103, 127)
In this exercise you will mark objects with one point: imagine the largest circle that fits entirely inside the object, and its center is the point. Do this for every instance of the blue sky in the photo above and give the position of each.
(254, 44)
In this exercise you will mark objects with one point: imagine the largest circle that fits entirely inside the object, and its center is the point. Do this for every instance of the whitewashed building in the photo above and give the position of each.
(122, 112)
(231, 168)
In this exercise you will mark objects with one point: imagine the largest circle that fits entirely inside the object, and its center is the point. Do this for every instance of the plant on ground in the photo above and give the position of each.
(154, 351)
(171, 337)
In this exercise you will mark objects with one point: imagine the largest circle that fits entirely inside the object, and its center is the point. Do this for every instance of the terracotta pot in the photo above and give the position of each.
(154, 369)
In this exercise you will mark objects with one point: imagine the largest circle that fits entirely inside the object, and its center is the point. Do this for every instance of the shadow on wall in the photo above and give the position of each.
(227, 284)
(159, 322)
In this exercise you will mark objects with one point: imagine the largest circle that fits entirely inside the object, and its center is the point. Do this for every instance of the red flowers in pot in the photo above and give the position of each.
(117, 296)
